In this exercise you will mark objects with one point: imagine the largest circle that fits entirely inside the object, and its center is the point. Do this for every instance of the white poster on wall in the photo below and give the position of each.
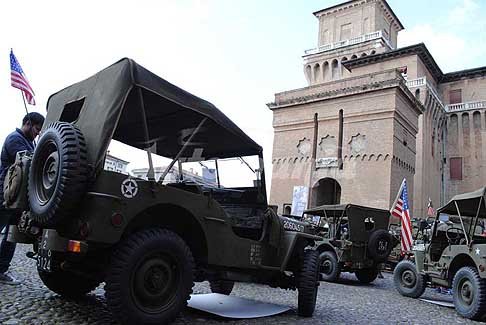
(299, 200)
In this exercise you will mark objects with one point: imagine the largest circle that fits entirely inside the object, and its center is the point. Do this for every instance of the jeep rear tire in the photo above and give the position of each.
(150, 279)
(68, 284)
(58, 173)
(329, 268)
(380, 245)
(366, 276)
(223, 287)
(408, 281)
(307, 283)
(469, 293)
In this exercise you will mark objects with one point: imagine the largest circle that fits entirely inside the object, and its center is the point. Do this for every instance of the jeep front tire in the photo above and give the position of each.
(329, 267)
(469, 293)
(150, 279)
(408, 281)
(307, 283)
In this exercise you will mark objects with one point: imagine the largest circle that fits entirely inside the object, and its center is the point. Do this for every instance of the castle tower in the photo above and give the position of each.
(348, 31)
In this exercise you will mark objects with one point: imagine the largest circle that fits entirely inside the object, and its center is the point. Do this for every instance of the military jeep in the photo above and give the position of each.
(454, 257)
(355, 239)
(149, 239)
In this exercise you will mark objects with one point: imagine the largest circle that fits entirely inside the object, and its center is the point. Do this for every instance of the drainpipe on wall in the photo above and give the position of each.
(340, 139)
(313, 160)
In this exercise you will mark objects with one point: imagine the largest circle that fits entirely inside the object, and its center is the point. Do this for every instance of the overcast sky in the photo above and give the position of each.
(236, 54)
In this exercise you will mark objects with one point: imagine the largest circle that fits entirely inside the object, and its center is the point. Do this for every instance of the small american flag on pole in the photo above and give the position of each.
(19, 80)
(401, 210)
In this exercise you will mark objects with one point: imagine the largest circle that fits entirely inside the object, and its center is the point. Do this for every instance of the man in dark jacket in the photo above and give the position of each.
(19, 140)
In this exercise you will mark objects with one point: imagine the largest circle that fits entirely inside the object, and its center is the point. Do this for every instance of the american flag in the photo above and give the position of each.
(19, 80)
(401, 210)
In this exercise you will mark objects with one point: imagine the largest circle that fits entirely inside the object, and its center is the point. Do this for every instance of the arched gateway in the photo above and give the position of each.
(326, 191)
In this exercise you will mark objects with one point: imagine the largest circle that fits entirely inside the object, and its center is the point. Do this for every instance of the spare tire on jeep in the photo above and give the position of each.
(380, 245)
(58, 173)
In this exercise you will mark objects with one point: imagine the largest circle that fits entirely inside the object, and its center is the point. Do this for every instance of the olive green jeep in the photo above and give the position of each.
(355, 239)
(149, 238)
(454, 257)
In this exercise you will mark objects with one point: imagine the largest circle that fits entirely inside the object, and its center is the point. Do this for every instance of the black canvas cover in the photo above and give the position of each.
(469, 204)
(114, 103)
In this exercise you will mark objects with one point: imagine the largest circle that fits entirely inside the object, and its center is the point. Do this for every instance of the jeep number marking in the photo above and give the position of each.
(293, 226)
(129, 188)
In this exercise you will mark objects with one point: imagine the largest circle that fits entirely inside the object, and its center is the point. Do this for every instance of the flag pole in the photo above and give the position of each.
(398, 195)
(25, 105)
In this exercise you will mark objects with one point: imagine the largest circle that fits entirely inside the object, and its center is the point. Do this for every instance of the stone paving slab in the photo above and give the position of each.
(347, 302)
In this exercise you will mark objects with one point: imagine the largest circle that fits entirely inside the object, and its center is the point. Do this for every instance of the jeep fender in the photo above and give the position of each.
(294, 241)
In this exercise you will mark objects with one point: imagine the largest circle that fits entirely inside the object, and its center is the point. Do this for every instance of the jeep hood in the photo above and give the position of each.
(130, 104)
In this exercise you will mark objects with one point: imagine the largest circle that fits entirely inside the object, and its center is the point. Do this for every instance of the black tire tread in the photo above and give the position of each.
(120, 259)
(334, 276)
(223, 287)
(308, 283)
(479, 309)
(73, 174)
(366, 276)
(421, 281)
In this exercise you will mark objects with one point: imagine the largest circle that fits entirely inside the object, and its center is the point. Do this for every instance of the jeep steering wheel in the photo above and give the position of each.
(453, 234)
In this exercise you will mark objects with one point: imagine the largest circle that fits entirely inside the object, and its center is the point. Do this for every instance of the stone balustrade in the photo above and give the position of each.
(352, 41)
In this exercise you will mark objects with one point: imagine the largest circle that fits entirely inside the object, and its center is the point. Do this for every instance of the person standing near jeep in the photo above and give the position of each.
(19, 140)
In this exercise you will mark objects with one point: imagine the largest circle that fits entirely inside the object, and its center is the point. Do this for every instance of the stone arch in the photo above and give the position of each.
(379, 157)
(326, 191)
(343, 69)
(335, 69)
(373, 52)
(363, 55)
(364, 157)
(308, 73)
(372, 156)
(325, 71)
(354, 57)
(317, 72)
(386, 157)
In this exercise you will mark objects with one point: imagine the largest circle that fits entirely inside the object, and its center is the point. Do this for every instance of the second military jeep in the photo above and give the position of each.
(454, 257)
(355, 239)
(149, 238)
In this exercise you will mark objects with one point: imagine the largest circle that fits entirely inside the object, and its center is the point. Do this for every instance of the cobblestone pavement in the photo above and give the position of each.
(347, 302)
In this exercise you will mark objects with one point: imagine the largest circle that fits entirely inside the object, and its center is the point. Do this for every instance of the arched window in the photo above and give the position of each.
(317, 72)
(363, 55)
(417, 94)
(325, 71)
(373, 52)
(335, 69)
(354, 57)
(308, 73)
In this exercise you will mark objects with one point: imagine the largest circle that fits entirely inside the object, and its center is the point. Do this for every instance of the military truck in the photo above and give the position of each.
(355, 239)
(454, 257)
(146, 238)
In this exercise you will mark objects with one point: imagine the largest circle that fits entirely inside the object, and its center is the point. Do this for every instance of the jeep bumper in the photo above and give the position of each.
(52, 241)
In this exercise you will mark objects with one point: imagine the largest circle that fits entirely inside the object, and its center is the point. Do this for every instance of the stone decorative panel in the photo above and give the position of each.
(304, 147)
(328, 146)
(357, 144)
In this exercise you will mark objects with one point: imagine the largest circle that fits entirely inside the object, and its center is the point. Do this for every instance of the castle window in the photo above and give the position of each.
(346, 31)
(456, 168)
(455, 96)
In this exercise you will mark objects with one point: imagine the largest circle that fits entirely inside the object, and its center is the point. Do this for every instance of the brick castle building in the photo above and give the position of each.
(402, 117)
